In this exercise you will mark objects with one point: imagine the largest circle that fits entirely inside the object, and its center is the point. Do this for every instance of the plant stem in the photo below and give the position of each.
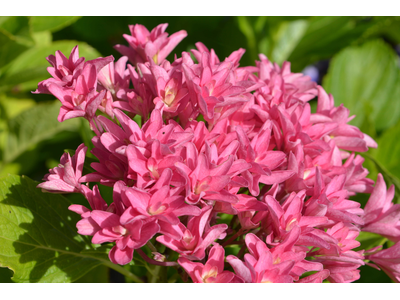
(151, 246)
(233, 237)
(155, 276)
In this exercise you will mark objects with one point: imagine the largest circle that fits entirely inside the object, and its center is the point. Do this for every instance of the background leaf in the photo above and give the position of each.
(31, 66)
(366, 80)
(325, 36)
(33, 126)
(53, 23)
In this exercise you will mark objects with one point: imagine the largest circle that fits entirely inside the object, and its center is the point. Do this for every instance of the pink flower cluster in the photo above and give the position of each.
(281, 174)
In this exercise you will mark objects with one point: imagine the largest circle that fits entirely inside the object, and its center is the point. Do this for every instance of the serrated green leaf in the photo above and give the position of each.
(367, 77)
(33, 126)
(38, 238)
(31, 66)
(53, 23)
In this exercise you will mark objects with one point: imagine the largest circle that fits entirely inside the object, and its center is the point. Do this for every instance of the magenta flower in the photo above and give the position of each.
(161, 207)
(381, 215)
(83, 100)
(155, 45)
(65, 178)
(389, 261)
(212, 271)
(65, 71)
(196, 237)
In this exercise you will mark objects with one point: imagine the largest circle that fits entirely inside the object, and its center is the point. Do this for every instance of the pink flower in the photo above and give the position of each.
(261, 265)
(196, 237)
(212, 271)
(83, 100)
(66, 71)
(389, 261)
(381, 215)
(65, 178)
(160, 206)
(345, 136)
(155, 45)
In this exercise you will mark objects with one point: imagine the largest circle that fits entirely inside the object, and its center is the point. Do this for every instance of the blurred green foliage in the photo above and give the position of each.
(363, 74)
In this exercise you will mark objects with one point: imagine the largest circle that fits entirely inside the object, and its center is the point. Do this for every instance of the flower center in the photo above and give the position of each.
(213, 272)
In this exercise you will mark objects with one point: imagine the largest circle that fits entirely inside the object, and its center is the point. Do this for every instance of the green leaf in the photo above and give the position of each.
(247, 29)
(5, 275)
(42, 38)
(9, 49)
(100, 274)
(286, 38)
(388, 150)
(370, 240)
(33, 126)
(388, 176)
(42, 23)
(17, 29)
(38, 238)
(325, 36)
(31, 66)
(366, 80)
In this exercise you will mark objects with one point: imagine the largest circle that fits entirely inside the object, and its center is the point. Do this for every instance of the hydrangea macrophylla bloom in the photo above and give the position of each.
(260, 171)
(155, 45)
(65, 178)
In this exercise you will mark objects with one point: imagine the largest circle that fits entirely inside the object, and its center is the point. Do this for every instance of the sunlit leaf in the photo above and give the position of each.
(38, 238)
(32, 65)
(53, 23)
(366, 80)
(33, 126)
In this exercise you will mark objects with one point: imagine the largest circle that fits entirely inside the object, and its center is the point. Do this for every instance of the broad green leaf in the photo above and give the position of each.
(31, 66)
(286, 38)
(14, 106)
(366, 80)
(42, 38)
(33, 126)
(42, 23)
(38, 238)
